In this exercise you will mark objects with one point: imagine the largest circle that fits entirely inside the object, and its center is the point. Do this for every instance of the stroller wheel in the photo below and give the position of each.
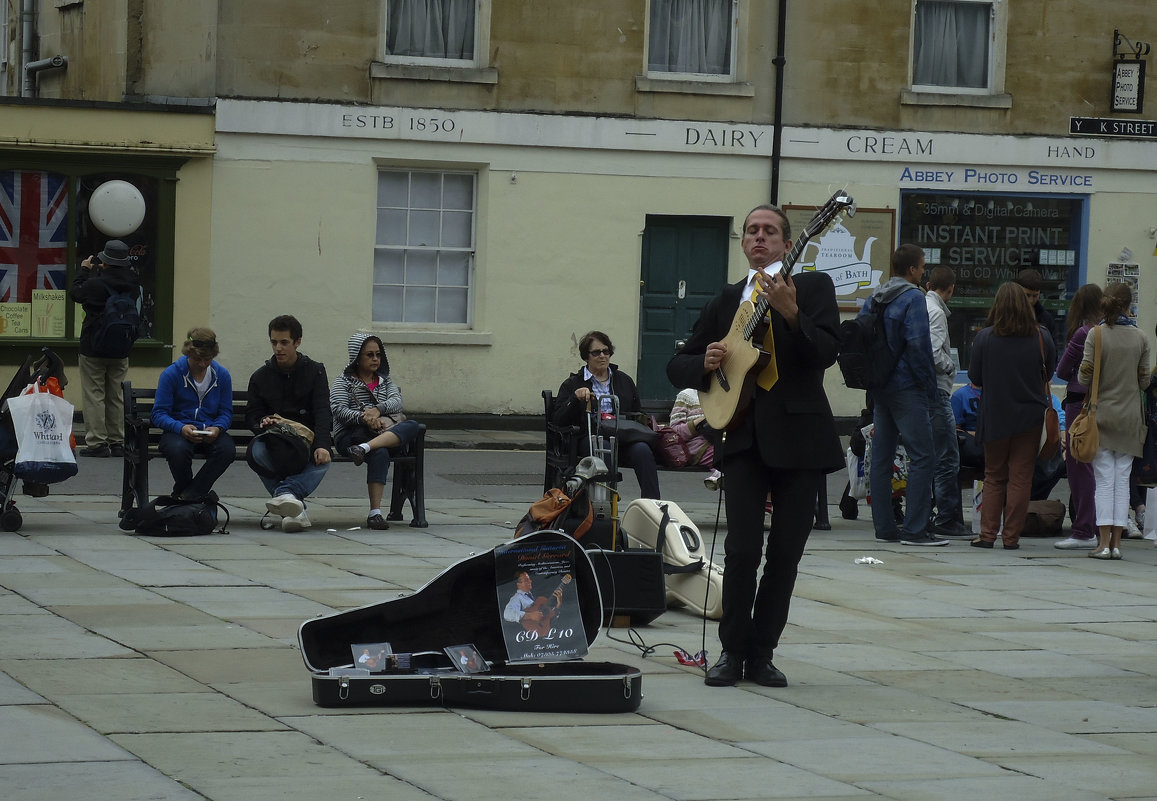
(11, 519)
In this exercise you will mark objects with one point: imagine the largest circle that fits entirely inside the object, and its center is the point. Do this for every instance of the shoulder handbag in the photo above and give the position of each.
(1051, 431)
(390, 421)
(1083, 437)
(670, 449)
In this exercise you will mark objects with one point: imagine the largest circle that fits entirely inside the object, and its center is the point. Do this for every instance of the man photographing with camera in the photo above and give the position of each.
(109, 291)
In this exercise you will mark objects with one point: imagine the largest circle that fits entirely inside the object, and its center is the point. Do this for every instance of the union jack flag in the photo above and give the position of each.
(33, 233)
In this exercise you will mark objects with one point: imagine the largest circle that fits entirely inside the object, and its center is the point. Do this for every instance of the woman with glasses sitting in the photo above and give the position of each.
(592, 387)
(367, 417)
(193, 407)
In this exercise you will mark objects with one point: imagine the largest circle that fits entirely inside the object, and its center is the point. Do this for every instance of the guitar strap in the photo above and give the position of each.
(769, 374)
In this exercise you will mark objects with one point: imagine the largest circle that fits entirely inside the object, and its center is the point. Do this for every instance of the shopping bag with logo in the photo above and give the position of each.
(43, 425)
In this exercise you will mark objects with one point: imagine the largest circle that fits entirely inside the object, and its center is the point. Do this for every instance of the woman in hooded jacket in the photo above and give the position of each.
(367, 417)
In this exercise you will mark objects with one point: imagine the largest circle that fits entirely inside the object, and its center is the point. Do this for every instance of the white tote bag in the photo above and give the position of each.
(43, 424)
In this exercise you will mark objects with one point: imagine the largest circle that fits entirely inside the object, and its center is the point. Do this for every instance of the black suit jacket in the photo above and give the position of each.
(791, 424)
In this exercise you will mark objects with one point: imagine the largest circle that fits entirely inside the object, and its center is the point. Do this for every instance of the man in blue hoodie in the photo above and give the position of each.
(194, 409)
(903, 405)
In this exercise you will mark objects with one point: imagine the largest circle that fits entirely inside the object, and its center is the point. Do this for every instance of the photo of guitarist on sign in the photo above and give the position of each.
(535, 614)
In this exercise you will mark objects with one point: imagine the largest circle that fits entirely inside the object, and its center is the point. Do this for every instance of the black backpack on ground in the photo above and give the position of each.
(119, 325)
(172, 517)
(865, 359)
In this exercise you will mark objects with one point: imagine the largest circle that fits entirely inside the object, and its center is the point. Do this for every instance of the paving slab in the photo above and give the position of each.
(41, 636)
(92, 781)
(131, 674)
(49, 735)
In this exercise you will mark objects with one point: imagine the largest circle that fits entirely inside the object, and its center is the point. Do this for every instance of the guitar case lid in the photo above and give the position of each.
(458, 606)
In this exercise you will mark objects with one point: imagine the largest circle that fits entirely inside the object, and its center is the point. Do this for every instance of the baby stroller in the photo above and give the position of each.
(35, 368)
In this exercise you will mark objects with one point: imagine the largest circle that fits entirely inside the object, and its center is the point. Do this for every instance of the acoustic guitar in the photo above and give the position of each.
(732, 384)
(541, 627)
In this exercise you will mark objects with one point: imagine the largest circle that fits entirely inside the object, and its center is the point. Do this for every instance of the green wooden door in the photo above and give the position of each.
(684, 266)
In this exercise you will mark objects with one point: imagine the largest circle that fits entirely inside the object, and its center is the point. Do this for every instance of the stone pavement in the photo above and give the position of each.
(134, 668)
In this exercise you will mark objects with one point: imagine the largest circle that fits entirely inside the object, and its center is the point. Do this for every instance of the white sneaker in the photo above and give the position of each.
(285, 505)
(299, 522)
(1075, 544)
(713, 480)
(1140, 515)
(1131, 530)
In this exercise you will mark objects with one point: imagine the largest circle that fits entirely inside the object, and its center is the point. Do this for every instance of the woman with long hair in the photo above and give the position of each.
(1084, 313)
(1012, 359)
(1124, 373)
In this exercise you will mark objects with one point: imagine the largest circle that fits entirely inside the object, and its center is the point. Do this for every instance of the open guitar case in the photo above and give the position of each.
(461, 606)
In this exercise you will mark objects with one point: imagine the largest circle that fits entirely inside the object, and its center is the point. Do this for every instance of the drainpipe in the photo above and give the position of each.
(27, 50)
(777, 130)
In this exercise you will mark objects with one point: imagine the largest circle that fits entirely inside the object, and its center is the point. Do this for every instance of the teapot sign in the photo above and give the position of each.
(856, 252)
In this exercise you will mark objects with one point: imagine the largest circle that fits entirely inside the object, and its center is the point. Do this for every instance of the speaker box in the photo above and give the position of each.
(631, 585)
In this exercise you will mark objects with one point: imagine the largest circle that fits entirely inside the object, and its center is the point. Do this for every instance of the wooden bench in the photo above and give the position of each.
(562, 453)
(142, 439)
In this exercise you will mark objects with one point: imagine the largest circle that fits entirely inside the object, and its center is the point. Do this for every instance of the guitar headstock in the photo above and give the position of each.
(839, 203)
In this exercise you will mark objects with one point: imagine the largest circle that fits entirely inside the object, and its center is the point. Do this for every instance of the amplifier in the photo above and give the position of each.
(631, 584)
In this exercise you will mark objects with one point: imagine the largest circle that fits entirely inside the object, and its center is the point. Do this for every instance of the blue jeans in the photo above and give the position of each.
(946, 474)
(178, 452)
(299, 486)
(906, 413)
(377, 460)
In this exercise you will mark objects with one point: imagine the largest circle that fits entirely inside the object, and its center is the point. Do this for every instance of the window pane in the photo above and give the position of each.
(426, 192)
(393, 188)
(387, 304)
(422, 267)
(420, 304)
(392, 226)
(389, 266)
(456, 229)
(424, 228)
(458, 191)
(690, 36)
(452, 305)
(950, 45)
(431, 28)
(454, 269)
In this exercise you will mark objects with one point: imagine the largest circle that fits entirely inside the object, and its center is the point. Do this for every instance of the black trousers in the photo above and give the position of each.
(755, 606)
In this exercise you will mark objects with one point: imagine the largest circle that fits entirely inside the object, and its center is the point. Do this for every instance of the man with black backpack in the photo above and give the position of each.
(109, 290)
(903, 401)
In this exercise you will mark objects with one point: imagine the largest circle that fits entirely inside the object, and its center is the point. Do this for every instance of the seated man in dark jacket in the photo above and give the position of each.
(293, 387)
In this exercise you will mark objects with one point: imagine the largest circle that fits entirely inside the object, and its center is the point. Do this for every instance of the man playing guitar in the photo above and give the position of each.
(783, 446)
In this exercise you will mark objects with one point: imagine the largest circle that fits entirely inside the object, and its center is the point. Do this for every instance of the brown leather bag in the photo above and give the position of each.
(1083, 436)
(549, 513)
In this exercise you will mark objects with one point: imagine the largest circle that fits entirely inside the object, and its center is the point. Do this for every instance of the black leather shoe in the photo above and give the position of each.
(726, 671)
(762, 671)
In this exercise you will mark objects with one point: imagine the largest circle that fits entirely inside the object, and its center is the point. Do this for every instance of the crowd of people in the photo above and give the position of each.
(996, 423)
